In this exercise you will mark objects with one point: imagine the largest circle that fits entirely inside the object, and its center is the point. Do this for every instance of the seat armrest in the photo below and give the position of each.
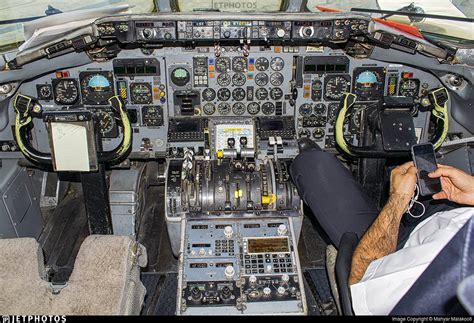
(347, 246)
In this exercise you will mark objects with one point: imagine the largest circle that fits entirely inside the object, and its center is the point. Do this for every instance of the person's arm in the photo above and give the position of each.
(457, 185)
(381, 237)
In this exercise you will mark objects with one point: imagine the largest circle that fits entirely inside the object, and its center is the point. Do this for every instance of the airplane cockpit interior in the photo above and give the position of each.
(172, 157)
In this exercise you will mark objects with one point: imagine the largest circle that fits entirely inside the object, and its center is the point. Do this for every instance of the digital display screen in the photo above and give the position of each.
(222, 226)
(274, 225)
(268, 245)
(223, 264)
(201, 245)
(199, 227)
(272, 125)
(251, 225)
(198, 265)
(187, 126)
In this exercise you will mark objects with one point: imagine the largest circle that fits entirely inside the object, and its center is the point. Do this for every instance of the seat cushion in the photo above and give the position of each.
(22, 289)
(105, 279)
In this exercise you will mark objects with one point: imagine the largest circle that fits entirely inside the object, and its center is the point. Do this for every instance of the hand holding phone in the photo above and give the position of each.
(425, 161)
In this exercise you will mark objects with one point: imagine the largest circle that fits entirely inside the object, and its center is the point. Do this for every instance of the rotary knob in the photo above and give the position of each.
(281, 33)
(147, 33)
(202, 252)
(267, 291)
(285, 278)
(228, 232)
(226, 34)
(252, 279)
(229, 272)
(282, 230)
(281, 290)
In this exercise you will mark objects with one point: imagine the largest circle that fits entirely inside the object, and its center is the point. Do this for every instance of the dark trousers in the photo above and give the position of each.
(339, 202)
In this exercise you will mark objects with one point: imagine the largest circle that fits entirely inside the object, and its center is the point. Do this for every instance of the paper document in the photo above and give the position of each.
(70, 147)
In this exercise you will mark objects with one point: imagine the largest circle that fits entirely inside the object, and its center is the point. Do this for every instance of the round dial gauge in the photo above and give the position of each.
(209, 108)
(239, 64)
(238, 79)
(208, 94)
(96, 88)
(253, 108)
(335, 86)
(224, 79)
(65, 91)
(238, 108)
(223, 94)
(305, 109)
(276, 79)
(141, 93)
(261, 93)
(276, 93)
(44, 92)
(268, 108)
(223, 64)
(262, 64)
(318, 133)
(106, 122)
(277, 64)
(369, 83)
(261, 79)
(180, 76)
(223, 108)
(238, 94)
(320, 109)
(410, 87)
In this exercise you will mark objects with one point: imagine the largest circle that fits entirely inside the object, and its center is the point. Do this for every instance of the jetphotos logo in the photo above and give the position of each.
(33, 319)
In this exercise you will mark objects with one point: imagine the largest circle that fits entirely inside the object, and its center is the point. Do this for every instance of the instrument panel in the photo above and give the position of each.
(166, 88)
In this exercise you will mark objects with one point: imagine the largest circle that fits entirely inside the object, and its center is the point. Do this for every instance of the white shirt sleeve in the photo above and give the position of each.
(387, 279)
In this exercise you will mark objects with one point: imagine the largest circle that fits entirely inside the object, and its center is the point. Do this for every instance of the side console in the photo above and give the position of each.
(240, 266)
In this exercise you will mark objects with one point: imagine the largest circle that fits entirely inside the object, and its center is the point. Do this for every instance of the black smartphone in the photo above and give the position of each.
(425, 161)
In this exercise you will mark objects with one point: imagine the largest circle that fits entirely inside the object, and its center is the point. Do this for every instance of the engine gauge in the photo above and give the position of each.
(277, 64)
(223, 108)
(106, 123)
(238, 94)
(209, 108)
(238, 79)
(238, 108)
(318, 133)
(44, 91)
(320, 109)
(253, 108)
(208, 94)
(335, 86)
(223, 64)
(261, 93)
(223, 79)
(96, 87)
(223, 94)
(276, 79)
(276, 93)
(261, 79)
(268, 108)
(66, 91)
(180, 76)
(262, 64)
(141, 93)
(369, 83)
(305, 109)
(239, 64)
(333, 108)
(410, 87)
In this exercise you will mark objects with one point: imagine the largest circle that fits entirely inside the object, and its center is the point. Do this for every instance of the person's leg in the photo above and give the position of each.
(337, 200)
